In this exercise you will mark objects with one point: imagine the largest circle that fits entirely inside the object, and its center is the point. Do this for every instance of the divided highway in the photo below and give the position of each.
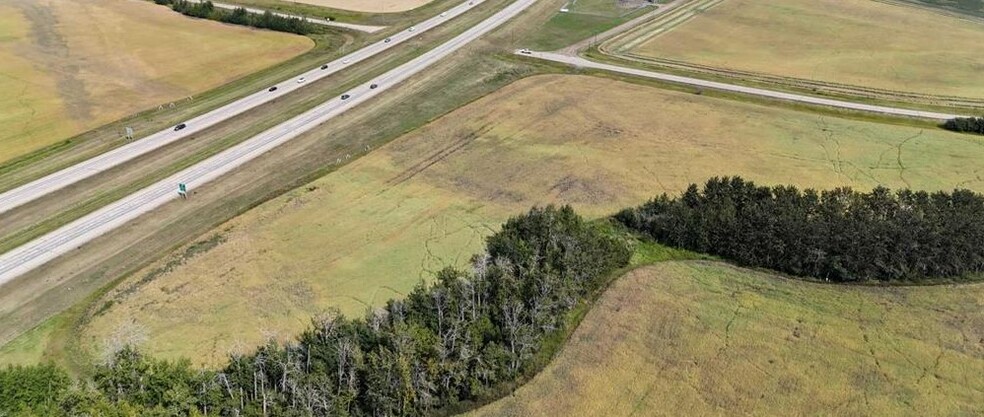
(68, 176)
(36, 253)
(584, 63)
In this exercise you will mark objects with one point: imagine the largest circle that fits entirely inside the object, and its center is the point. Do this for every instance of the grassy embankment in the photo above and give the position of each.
(583, 19)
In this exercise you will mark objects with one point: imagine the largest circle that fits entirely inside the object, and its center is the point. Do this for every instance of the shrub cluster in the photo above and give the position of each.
(966, 124)
(239, 16)
(839, 235)
(456, 339)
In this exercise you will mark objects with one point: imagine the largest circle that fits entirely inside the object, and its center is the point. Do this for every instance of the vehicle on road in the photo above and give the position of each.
(180, 126)
(324, 67)
(444, 14)
(387, 40)
(412, 28)
(271, 89)
(345, 61)
(373, 86)
(525, 51)
(301, 80)
(345, 96)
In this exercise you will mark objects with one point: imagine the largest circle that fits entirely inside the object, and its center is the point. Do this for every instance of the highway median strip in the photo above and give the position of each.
(68, 176)
(54, 244)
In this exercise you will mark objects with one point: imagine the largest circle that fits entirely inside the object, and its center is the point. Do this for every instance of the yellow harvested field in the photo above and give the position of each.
(67, 66)
(856, 42)
(376, 227)
(708, 339)
(373, 6)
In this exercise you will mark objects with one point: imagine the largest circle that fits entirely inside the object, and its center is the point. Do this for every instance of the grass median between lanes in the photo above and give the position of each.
(26, 168)
(57, 209)
(96, 265)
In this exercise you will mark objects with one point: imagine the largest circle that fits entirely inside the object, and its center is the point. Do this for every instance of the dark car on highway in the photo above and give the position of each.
(324, 66)
(180, 126)
(373, 86)
(345, 96)
(274, 88)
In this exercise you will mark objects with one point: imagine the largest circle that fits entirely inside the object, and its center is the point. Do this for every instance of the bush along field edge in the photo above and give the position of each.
(469, 337)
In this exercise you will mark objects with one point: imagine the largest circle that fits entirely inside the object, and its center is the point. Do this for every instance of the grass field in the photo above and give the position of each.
(352, 239)
(853, 42)
(707, 339)
(962, 7)
(375, 6)
(583, 19)
(67, 66)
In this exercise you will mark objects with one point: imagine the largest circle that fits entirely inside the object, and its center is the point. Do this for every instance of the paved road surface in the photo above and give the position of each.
(353, 26)
(895, 111)
(31, 255)
(68, 176)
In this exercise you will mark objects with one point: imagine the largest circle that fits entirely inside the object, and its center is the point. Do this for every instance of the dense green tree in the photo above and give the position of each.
(966, 124)
(839, 235)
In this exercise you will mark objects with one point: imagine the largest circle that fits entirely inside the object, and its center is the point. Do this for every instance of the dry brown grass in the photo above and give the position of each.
(708, 339)
(67, 66)
(863, 43)
(376, 227)
(373, 6)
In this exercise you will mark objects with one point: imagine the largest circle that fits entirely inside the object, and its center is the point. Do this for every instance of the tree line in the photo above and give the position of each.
(470, 333)
(965, 124)
(838, 235)
(239, 16)
(457, 339)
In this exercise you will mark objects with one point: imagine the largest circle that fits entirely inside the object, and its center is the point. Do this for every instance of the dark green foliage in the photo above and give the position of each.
(31, 388)
(167, 386)
(446, 342)
(454, 340)
(239, 16)
(968, 7)
(839, 235)
(966, 124)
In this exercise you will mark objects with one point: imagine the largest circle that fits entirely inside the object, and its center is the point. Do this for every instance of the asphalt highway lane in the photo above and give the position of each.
(71, 175)
(42, 250)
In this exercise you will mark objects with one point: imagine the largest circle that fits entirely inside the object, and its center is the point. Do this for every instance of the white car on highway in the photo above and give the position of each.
(301, 80)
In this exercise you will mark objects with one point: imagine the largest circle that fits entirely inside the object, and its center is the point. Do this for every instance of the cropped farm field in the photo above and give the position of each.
(376, 227)
(67, 66)
(855, 42)
(702, 338)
